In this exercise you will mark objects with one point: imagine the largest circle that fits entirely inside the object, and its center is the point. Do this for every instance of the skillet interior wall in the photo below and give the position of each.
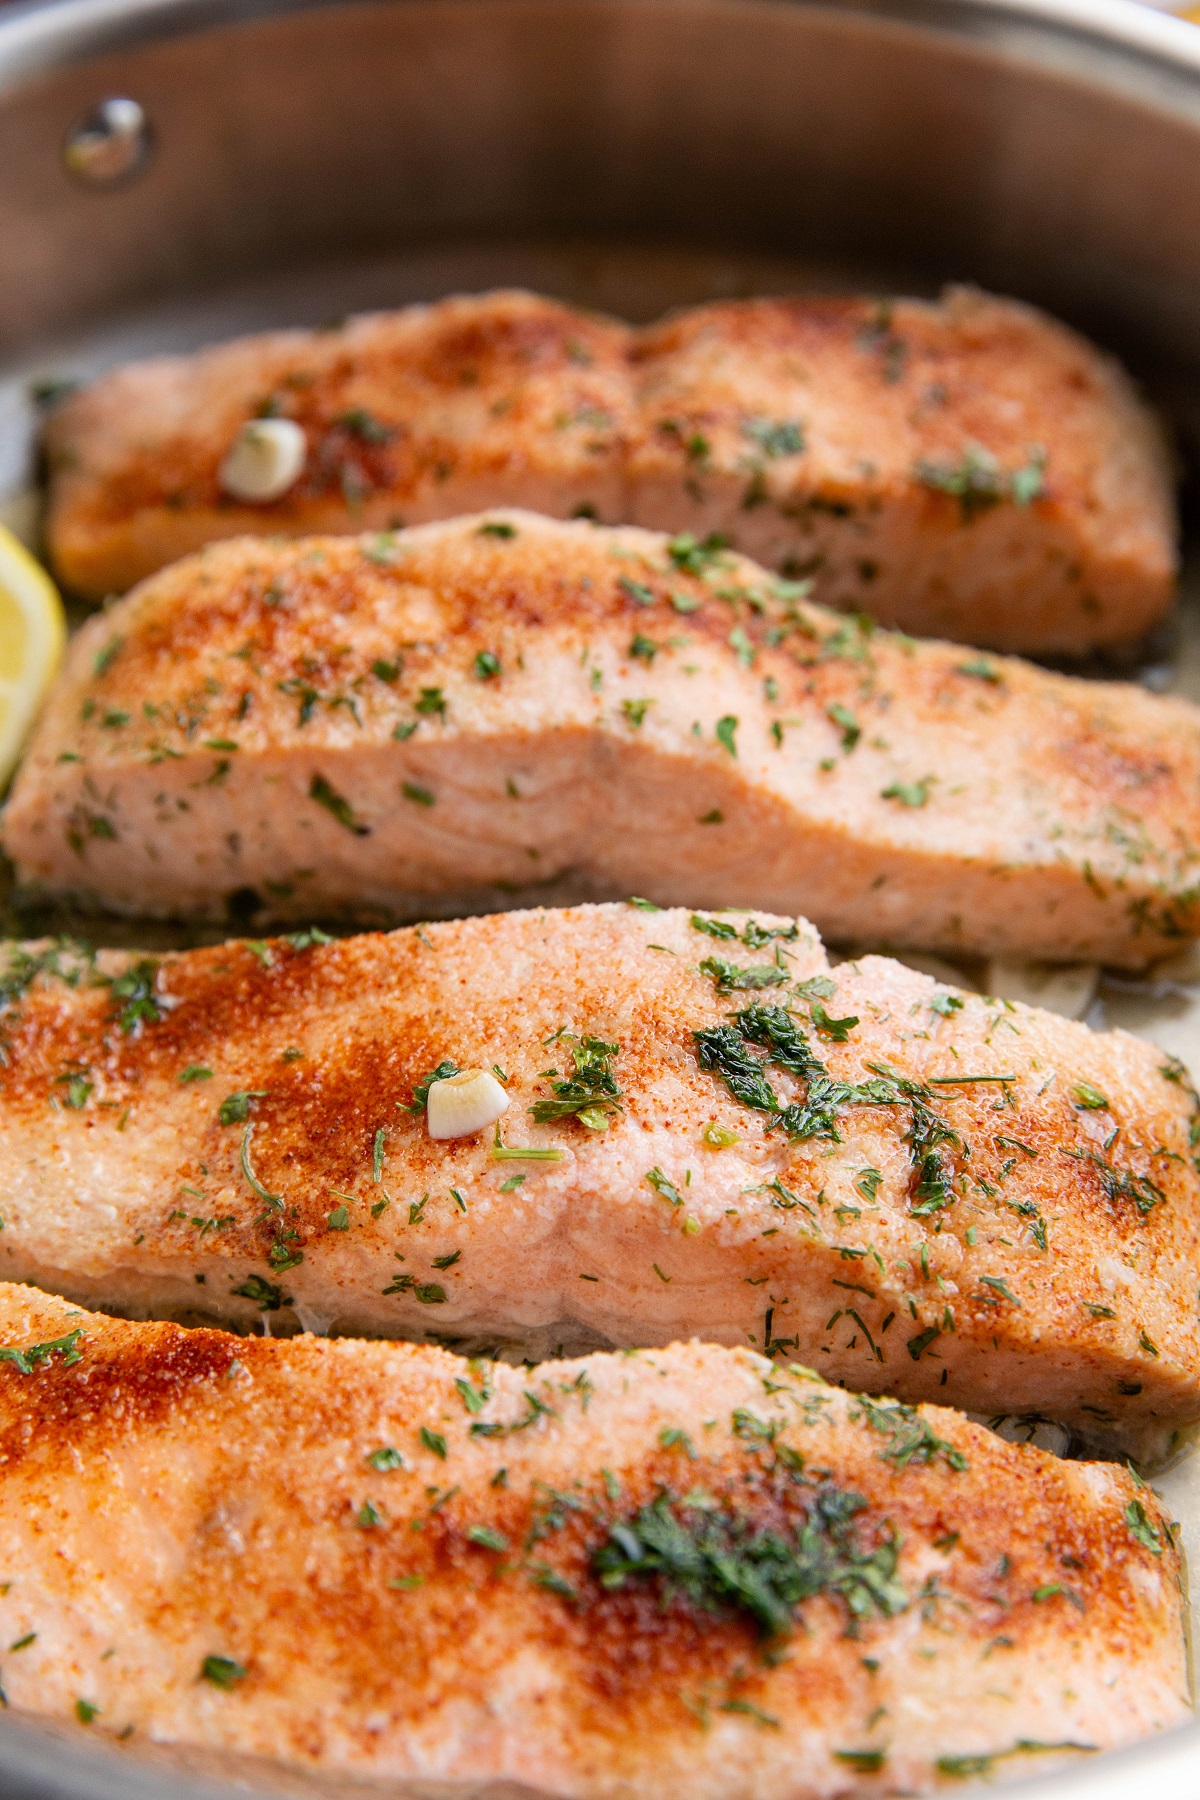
(821, 134)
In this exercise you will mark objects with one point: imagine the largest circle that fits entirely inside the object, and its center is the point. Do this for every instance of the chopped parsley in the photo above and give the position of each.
(27, 1359)
(487, 1537)
(725, 1050)
(694, 556)
(591, 1095)
(665, 1189)
(909, 793)
(863, 1762)
(1121, 1184)
(981, 667)
(1088, 1097)
(965, 1768)
(737, 640)
(265, 1295)
(719, 1137)
(918, 1345)
(783, 437)
(998, 1287)
(79, 1088)
(756, 935)
(637, 591)
(836, 1029)
(715, 928)
(473, 1398)
(305, 940)
(222, 1671)
(978, 482)
(337, 805)
(535, 1409)
(1029, 481)
(721, 1050)
(235, 1108)
(1142, 1528)
(847, 724)
(22, 968)
(721, 1564)
(910, 1438)
(729, 977)
(432, 702)
(365, 426)
(275, 1201)
(138, 1003)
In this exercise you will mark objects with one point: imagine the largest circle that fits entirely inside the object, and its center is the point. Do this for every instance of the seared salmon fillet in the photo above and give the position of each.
(683, 1570)
(412, 415)
(966, 467)
(444, 719)
(709, 1131)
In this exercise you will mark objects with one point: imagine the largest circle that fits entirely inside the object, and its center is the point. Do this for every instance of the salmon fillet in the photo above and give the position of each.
(683, 1570)
(413, 415)
(967, 467)
(918, 1191)
(448, 718)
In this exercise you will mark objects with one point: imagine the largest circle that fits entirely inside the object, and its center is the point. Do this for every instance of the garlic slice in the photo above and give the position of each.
(265, 459)
(464, 1103)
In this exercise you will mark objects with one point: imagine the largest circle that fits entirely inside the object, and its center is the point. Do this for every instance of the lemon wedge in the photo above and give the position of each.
(32, 634)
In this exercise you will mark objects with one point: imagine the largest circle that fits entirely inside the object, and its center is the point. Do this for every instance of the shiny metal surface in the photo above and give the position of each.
(1033, 151)
(633, 154)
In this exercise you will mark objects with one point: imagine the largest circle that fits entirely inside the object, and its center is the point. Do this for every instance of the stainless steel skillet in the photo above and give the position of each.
(286, 162)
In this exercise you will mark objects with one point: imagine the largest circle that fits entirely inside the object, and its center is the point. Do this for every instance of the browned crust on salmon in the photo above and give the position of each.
(444, 719)
(966, 467)
(230, 1130)
(168, 1497)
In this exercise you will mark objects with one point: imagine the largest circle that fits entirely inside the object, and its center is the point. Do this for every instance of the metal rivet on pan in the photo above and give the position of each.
(112, 143)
